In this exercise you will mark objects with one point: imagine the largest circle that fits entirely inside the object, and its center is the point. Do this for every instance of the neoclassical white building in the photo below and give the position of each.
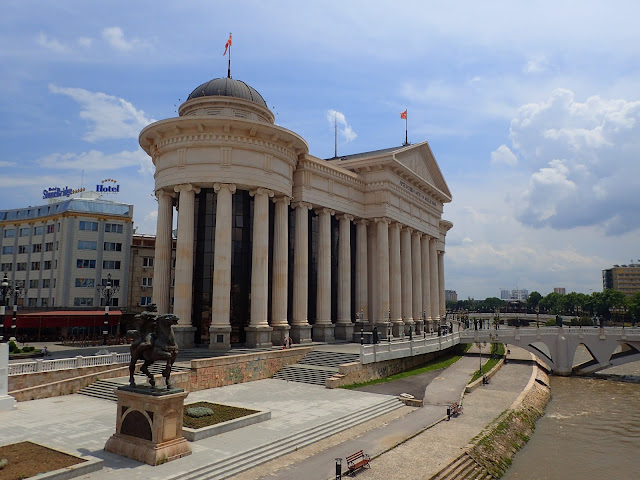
(274, 242)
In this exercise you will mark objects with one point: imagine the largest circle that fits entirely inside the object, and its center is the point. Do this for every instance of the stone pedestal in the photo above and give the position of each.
(409, 326)
(383, 330)
(184, 336)
(279, 334)
(149, 425)
(301, 333)
(419, 327)
(219, 337)
(7, 402)
(344, 331)
(397, 328)
(258, 336)
(324, 333)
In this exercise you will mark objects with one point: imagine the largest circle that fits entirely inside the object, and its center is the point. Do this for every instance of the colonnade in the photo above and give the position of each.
(399, 280)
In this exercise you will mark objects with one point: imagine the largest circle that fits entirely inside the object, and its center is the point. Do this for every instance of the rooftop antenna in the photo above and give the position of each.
(335, 134)
(82, 180)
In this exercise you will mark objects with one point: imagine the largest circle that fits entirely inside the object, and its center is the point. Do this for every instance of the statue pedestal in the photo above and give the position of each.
(184, 336)
(301, 333)
(149, 425)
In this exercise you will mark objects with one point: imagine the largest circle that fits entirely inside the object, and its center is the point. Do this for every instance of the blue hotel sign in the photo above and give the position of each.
(55, 192)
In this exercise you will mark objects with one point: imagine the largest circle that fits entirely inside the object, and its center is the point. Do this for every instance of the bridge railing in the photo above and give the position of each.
(68, 363)
(406, 348)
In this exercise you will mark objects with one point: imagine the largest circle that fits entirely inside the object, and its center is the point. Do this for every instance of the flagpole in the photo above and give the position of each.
(229, 67)
(406, 128)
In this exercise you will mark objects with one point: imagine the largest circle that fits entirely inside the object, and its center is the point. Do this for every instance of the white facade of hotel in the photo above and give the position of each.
(395, 198)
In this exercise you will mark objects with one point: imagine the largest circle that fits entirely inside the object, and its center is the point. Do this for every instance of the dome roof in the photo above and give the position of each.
(228, 87)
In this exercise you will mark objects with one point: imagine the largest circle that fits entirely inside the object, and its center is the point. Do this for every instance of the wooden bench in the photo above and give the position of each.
(357, 460)
(454, 410)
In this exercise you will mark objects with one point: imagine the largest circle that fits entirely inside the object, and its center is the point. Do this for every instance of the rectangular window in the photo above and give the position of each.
(6, 267)
(87, 245)
(24, 232)
(111, 264)
(85, 282)
(113, 303)
(113, 227)
(144, 301)
(38, 230)
(20, 283)
(147, 262)
(147, 281)
(9, 232)
(7, 249)
(33, 283)
(51, 228)
(89, 226)
(32, 302)
(35, 265)
(57, 245)
(83, 302)
(36, 248)
(48, 247)
(21, 266)
(46, 283)
(85, 263)
(47, 265)
(112, 247)
(22, 249)
(44, 302)
(114, 282)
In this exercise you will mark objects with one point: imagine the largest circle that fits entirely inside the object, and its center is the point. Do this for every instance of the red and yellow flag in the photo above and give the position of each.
(227, 45)
(404, 115)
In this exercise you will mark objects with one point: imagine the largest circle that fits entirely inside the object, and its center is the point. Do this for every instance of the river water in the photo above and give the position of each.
(590, 431)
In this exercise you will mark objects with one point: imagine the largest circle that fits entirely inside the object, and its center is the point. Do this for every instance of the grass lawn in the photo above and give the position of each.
(497, 350)
(221, 413)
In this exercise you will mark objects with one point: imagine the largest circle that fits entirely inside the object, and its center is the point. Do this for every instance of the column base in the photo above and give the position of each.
(397, 328)
(324, 332)
(383, 330)
(220, 337)
(409, 324)
(258, 337)
(7, 402)
(301, 333)
(184, 336)
(344, 331)
(419, 326)
(279, 333)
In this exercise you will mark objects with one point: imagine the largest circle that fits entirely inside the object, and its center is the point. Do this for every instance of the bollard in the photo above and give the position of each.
(410, 332)
(448, 413)
(338, 469)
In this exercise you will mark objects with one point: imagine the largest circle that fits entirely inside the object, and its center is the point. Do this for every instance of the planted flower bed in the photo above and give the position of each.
(205, 419)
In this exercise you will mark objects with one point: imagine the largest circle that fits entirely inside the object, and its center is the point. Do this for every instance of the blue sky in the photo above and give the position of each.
(532, 111)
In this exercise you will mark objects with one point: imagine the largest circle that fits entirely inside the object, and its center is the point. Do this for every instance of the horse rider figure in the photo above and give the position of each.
(146, 329)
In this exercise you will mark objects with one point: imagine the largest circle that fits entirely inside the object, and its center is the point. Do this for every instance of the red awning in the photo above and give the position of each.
(63, 318)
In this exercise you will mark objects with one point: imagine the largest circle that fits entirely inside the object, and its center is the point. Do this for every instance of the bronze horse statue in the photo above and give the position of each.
(154, 340)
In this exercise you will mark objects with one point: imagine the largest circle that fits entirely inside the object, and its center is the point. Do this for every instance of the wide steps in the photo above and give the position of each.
(253, 457)
(301, 374)
(101, 389)
(328, 359)
(463, 468)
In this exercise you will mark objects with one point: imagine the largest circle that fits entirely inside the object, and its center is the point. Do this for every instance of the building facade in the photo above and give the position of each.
(560, 290)
(58, 254)
(624, 278)
(515, 295)
(273, 242)
(451, 296)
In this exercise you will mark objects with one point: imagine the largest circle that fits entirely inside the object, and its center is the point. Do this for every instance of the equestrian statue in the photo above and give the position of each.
(153, 341)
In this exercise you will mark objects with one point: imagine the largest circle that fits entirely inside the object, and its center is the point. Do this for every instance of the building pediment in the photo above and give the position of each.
(420, 160)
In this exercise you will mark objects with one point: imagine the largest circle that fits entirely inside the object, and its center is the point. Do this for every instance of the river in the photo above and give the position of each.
(590, 431)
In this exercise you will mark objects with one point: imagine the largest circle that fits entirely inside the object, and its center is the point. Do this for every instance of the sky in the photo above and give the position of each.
(532, 110)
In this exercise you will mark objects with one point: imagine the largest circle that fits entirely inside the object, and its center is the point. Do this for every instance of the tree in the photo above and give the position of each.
(533, 300)
(634, 306)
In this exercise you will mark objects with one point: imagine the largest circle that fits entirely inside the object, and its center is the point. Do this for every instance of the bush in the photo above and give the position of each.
(28, 349)
(13, 347)
(550, 323)
(197, 412)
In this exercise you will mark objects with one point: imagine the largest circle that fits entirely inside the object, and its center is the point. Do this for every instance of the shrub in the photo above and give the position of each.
(197, 412)
(28, 349)
(13, 347)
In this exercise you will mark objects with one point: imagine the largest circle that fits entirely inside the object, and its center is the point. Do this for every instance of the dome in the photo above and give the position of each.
(228, 87)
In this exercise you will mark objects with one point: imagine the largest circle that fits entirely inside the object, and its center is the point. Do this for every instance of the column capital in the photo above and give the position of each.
(162, 192)
(261, 191)
(283, 198)
(325, 210)
(382, 220)
(417, 233)
(406, 229)
(344, 215)
(393, 224)
(362, 221)
(300, 204)
(187, 187)
(229, 186)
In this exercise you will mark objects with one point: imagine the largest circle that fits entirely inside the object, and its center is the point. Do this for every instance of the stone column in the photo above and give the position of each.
(280, 279)
(300, 328)
(395, 280)
(7, 402)
(162, 261)
(442, 298)
(407, 294)
(416, 279)
(433, 270)
(344, 325)
(362, 298)
(323, 330)
(373, 265)
(220, 328)
(426, 282)
(183, 291)
(258, 333)
(382, 234)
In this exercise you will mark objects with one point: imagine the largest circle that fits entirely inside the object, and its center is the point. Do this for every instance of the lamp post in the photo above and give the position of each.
(361, 318)
(537, 316)
(389, 326)
(4, 293)
(107, 291)
(424, 324)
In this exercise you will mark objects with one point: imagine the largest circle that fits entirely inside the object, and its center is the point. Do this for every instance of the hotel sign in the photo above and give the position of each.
(101, 188)
(55, 192)
(418, 193)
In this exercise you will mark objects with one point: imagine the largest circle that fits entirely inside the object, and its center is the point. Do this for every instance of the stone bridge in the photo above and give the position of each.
(557, 346)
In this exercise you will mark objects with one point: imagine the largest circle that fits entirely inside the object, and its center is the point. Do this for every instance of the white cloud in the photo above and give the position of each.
(343, 127)
(85, 42)
(504, 155)
(537, 64)
(50, 43)
(4, 163)
(114, 36)
(94, 160)
(110, 117)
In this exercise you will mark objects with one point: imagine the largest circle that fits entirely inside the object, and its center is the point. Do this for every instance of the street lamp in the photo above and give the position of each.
(4, 293)
(361, 318)
(537, 316)
(424, 324)
(389, 326)
(107, 291)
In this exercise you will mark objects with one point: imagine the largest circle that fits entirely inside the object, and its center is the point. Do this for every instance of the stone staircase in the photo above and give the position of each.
(316, 367)
(233, 465)
(105, 388)
(463, 468)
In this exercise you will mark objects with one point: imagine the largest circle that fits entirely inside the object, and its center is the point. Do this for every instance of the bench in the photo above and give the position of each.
(357, 460)
(454, 409)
